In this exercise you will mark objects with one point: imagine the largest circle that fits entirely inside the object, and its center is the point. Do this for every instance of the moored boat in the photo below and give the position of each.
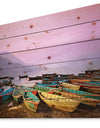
(59, 102)
(93, 82)
(94, 88)
(31, 101)
(34, 91)
(80, 80)
(17, 95)
(82, 96)
(70, 86)
(45, 88)
(6, 94)
(48, 85)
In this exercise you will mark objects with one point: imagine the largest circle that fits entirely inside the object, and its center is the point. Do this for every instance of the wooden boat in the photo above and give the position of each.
(66, 75)
(83, 93)
(83, 97)
(34, 91)
(3, 89)
(21, 77)
(46, 79)
(94, 88)
(7, 82)
(96, 77)
(70, 86)
(81, 80)
(94, 82)
(88, 83)
(35, 78)
(31, 101)
(41, 89)
(44, 88)
(5, 77)
(6, 94)
(11, 78)
(58, 78)
(48, 85)
(18, 95)
(50, 75)
(59, 102)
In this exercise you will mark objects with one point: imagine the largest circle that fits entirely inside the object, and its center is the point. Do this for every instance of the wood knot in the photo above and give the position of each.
(25, 38)
(8, 45)
(31, 26)
(49, 57)
(94, 23)
(78, 17)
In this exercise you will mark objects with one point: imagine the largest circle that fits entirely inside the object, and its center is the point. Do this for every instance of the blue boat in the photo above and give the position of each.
(6, 94)
(48, 85)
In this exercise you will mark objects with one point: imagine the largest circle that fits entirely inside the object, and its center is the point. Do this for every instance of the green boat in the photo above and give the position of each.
(34, 91)
(18, 95)
(44, 88)
(52, 84)
(83, 93)
(82, 96)
(31, 101)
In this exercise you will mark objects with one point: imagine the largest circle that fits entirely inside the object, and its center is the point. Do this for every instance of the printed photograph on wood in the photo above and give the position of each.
(50, 66)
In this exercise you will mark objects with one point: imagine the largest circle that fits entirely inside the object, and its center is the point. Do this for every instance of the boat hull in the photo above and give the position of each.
(5, 97)
(32, 103)
(31, 106)
(44, 88)
(58, 102)
(17, 99)
(85, 100)
(70, 86)
(18, 96)
(29, 89)
(94, 90)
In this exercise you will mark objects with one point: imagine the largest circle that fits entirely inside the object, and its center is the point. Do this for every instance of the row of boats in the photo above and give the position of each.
(57, 94)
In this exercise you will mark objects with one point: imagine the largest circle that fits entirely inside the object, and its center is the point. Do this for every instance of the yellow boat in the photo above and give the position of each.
(70, 86)
(59, 102)
(82, 99)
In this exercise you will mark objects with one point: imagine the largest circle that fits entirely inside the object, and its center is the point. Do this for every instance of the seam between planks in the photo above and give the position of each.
(78, 42)
(49, 30)
(53, 63)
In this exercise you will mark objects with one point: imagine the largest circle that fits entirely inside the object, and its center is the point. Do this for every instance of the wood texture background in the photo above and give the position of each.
(65, 42)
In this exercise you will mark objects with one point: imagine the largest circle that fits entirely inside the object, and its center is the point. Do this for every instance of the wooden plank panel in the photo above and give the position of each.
(79, 51)
(72, 17)
(68, 35)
